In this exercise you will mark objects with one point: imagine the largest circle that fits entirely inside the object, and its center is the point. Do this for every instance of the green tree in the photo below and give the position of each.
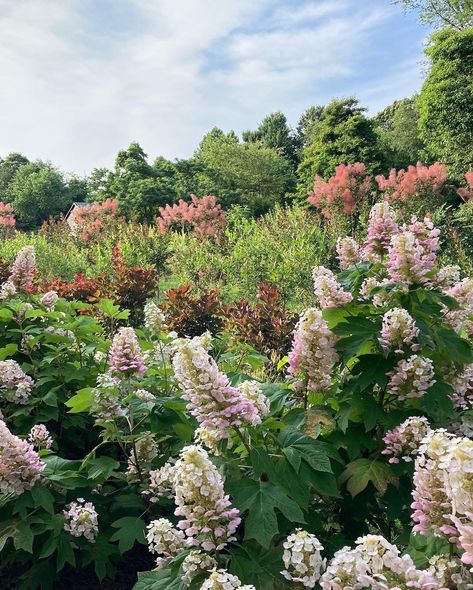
(344, 135)
(274, 132)
(307, 125)
(249, 174)
(98, 183)
(446, 100)
(8, 168)
(38, 190)
(397, 127)
(136, 184)
(78, 188)
(456, 14)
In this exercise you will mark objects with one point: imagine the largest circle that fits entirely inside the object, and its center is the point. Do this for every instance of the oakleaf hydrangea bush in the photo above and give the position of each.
(352, 471)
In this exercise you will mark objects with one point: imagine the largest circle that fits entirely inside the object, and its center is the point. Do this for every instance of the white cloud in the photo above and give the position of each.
(74, 90)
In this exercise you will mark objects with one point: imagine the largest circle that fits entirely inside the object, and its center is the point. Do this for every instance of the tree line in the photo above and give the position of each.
(275, 163)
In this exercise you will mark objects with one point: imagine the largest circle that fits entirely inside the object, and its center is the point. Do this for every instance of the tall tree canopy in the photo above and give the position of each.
(8, 168)
(250, 174)
(274, 132)
(307, 125)
(38, 190)
(456, 14)
(446, 99)
(344, 135)
(398, 129)
(137, 185)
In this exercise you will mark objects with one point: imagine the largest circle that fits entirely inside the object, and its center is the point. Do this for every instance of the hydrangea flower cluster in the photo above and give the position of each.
(302, 559)
(431, 504)
(222, 580)
(427, 235)
(196, 562)
(49, 300)
(379, 299)
(408, 261)
(164, 539)
(154, 318)
(39, 437)
(465, 538)
(7, 291)
(313, 354)
(450, 573)
(327, 290)
(381, 227)
(349, 252)
(208, 518)
(106, 402)
(462, 292)
(404, 440)
(161, 482)
(462, 384)
(15, 385)
(411, 377)
(252, 390)
(398, 330)
(443, 490)
(142, 454)
(447, 277)
(207, 438)
(20, 465)
(23, 269)
(376, 564)
(125, 356)
(215, 404)
(144, 395)
(82, 520)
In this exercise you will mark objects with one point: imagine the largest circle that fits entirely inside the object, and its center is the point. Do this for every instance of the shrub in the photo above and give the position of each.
(202, 215)
(192, 316)
(266, 325)
(7, 216)
(80, 289)
(131, 285)
(344, 192)
(466, 193)
(417, 189)
(90, 222)
(109, 444)
(279, 248)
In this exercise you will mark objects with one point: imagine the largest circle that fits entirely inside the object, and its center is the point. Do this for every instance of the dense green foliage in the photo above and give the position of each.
(446, 99)
(398, 130)
(313, 459)
(344, 134)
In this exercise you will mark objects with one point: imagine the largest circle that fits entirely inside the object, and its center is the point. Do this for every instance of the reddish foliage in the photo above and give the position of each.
(129, 286)
(80, 289)
(204, 216)
(345, 191)
(132, 285)
(192, 316)
(466, 193)
(267, 326)
(415, 181)
(89, 222)
(7, 217)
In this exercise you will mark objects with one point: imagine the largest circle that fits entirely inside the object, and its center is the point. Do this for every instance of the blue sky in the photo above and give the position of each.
(81, 79)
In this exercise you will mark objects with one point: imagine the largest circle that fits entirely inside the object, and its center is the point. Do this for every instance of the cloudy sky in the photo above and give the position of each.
(80, 79)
